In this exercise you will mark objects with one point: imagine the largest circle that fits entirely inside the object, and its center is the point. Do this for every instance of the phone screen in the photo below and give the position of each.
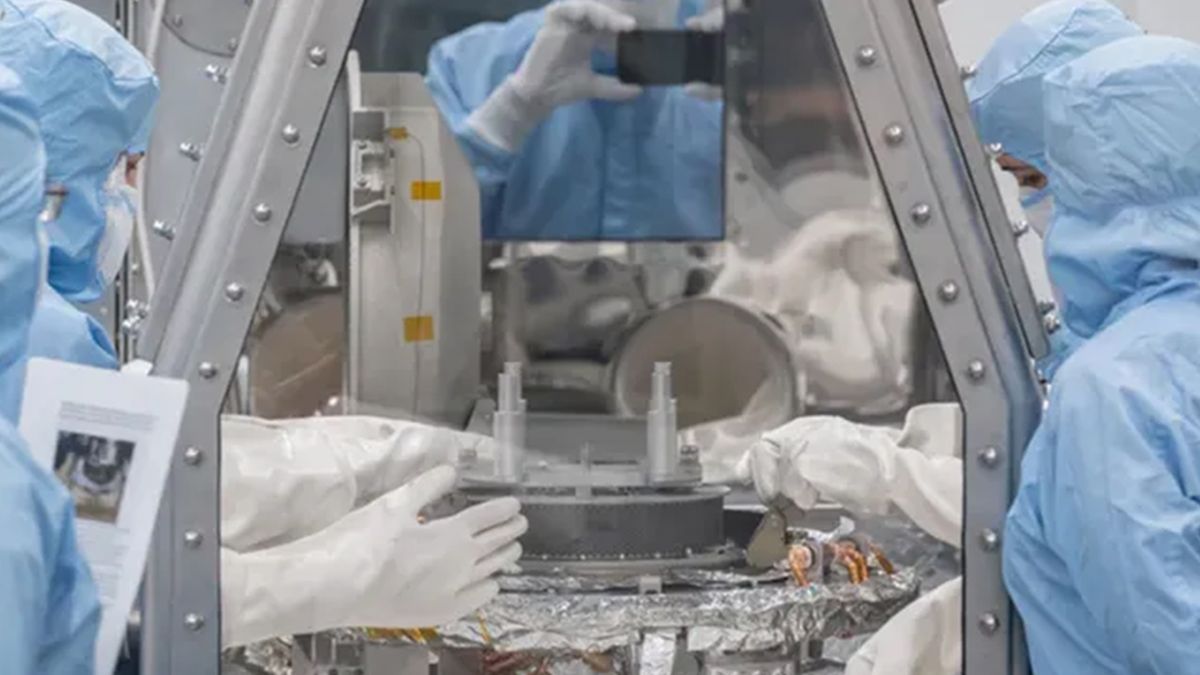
(670, 57)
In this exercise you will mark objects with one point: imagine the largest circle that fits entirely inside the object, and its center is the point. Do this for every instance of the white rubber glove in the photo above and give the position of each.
(555, 72)
(924, 639)
(712, 21)
(283, 480)
(376, 567)
(867, 469)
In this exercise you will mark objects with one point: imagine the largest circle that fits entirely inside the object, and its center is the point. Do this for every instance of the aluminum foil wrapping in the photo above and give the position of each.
(725, 620)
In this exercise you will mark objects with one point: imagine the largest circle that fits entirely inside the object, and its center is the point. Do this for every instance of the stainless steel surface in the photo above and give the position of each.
(196, 333)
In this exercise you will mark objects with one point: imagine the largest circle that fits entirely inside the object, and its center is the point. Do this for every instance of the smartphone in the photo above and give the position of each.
(670, 57)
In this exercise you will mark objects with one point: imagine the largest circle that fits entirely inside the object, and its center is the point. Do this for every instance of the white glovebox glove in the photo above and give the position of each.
(867, 468)
(376, 567)
(556, 71)
(283, 480)
(923, 639)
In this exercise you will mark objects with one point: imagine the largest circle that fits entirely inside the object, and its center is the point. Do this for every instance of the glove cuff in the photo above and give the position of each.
(507, 117)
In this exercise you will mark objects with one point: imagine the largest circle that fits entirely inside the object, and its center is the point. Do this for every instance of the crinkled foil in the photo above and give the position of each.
(690, 578)
(727, 620)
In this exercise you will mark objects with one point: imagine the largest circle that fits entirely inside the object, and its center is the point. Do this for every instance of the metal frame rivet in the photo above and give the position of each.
(948, 291)
(192, 456)
(190, 150)
(995, 149)
(234, 292)
(989, 539)
(192, 539)
(193, 621)
(1044, 307)
(207, 370)
(1020, 228)
(989, 457)
(922, 213)
(968, 72)
(976, 370)
(989, 623)
(233, 44)
(291, 134)
(1051, 323)
(163, 230)
(894, 134)
(318, 55)
(867, 56)
(262, 213)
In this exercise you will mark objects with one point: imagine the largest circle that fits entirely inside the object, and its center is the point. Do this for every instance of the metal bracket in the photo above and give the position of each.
(247, 182)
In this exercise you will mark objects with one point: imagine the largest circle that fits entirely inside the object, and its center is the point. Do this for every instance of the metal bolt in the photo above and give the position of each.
(233, 44)
(989, 623)
(968, 72)
(867, 56)
(948, 291)
(1046, 306)
(262, 212)
(137, 308)
(1020, 228)
(207, 370)
(989, 457)
(177, 20)
(894, 134)
(131, 326)
(192, 539)
(163, 230)
(995, 149)
(234, 292)
(190, 150)
(317, 55)
(215, 73)
(922, 213)
(361, 181)
(976, 370)
(291, 135)
(194, 622)
(989, 539)
(1051, 323)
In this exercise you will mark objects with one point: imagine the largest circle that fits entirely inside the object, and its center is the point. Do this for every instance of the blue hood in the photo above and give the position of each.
(96, 95)
(1006, 91)
(1123, 130)
(22, 193)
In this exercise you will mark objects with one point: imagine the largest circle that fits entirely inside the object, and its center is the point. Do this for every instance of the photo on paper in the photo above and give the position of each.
(95, 470)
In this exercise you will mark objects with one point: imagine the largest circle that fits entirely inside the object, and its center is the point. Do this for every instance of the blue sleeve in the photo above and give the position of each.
(51, 612)
(1123, 507)
(464, 69)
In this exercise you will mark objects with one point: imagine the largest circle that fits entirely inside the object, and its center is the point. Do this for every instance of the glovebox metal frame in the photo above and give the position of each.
(938, 182)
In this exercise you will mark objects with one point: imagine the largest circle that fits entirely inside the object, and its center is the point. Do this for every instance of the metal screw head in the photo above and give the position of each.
(163, 230)
(1020, 228)
(361, 181)
(262, 213)
(867, 56)
(192, 539)
(177, 20)
(317, 55)
(921, 213)
(190, 150)
(1046, 306)
(192, 456)
(137, 308)
(215, 73)
(207, 370)
(193, 621)
(894, 134)
(995, 149)
(989, 623)
(291, 135)
(1051, 323)
(233, 44)
(989, 539)
(989, 457)
(234, 292)
(948, 291)
(976, 370)
(968, 72)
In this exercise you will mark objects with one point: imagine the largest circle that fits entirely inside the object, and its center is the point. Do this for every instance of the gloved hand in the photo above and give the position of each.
(377, 566)
(712, 21)
(866, 468)
(556, 71)
(283, 480)
(923, 639)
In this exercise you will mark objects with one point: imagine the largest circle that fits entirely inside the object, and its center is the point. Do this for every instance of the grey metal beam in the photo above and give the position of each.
(246, 185)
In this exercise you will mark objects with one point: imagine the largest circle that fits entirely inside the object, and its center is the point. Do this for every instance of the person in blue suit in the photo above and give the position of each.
(95, 95)
(563, 150)
(50, 609)
(1102, 545)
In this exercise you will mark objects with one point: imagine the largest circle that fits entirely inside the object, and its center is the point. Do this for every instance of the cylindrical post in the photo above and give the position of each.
(508, 426)
(662, 440)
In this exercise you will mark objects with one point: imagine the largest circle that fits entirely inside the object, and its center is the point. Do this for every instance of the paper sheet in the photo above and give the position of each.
(109, 438)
